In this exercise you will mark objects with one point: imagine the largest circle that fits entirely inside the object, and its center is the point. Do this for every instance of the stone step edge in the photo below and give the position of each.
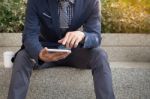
(126, 65)
(119, 39)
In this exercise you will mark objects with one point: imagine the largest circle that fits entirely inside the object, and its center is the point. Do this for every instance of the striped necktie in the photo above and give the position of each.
(64, 18)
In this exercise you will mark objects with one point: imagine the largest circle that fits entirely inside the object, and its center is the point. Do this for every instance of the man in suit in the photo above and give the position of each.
(54, 24)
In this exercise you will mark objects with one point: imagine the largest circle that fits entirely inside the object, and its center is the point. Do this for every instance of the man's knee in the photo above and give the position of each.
(22, 58)
(99, 58)
(21, 55)
(99, 53)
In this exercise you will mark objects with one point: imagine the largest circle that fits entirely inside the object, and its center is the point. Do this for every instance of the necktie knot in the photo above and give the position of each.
(64, 5)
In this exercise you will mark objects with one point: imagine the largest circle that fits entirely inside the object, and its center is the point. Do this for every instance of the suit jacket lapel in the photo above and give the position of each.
(77, 13)
(53, 6)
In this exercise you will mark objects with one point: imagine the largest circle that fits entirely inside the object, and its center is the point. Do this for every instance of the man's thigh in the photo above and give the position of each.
(81, 58)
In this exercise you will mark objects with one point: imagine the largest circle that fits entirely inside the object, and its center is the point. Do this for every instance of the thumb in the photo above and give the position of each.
(44, 51)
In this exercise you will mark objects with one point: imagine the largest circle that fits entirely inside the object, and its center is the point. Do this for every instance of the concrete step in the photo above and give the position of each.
(131, 81)
(120, 47)
(10, 39)
(3, 49)
(108, 39)
(141, 54)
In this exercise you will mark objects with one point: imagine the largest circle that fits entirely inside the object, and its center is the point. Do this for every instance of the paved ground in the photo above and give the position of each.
(131, 81)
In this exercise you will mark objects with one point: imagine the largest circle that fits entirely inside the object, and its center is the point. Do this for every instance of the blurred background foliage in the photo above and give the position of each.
(12, 15)
(118, 16)
(126, 16)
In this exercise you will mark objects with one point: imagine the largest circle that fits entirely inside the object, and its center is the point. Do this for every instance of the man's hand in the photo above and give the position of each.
(72, 39)
(49, 57)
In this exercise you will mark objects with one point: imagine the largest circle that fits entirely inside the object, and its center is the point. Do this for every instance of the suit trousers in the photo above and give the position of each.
(95, 59)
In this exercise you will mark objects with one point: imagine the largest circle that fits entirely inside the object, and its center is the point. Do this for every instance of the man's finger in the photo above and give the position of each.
(72, 42)
(60, 57)
(52, 55)
(68, 43)
(44, 51)
(55, 58)
(65, 39)
(76, 43)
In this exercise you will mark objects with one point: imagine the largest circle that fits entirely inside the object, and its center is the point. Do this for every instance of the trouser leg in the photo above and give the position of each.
(21, 74)
(101, 75)
(97, 60)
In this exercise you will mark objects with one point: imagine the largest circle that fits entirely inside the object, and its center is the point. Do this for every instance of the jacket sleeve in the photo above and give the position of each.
(92, 28)
(31, 31)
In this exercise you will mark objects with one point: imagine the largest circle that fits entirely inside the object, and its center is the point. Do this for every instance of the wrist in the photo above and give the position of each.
(83, 39)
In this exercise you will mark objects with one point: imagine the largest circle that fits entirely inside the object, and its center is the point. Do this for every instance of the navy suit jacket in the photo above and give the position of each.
(42, 25)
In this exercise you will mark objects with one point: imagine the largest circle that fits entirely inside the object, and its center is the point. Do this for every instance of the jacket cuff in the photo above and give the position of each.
(91, 40)
(34, 54)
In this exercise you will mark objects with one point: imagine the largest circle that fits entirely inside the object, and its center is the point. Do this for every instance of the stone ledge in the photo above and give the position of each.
(3, 49)
(128, 54)
(124, 65)
(10, 39)
(114, 53)
(70, 83)
(126, 40)
(120, 47)
(14, 39)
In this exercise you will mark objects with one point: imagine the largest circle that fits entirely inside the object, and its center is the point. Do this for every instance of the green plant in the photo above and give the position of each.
(118, 16)
(126, 16)
(12, 15)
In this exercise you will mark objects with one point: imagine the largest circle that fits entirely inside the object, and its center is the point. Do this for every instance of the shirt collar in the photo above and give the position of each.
(72, 1)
